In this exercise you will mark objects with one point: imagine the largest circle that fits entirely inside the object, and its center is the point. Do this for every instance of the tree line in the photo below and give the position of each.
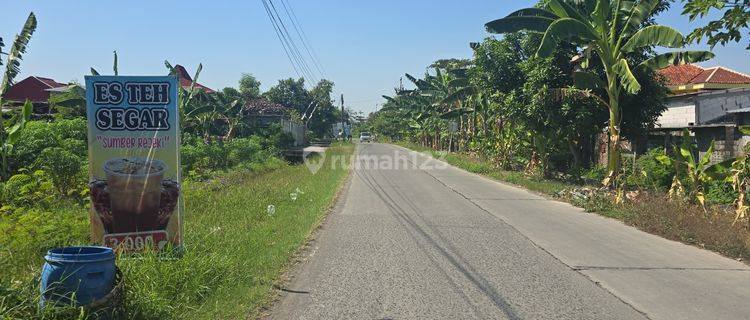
(537, 97)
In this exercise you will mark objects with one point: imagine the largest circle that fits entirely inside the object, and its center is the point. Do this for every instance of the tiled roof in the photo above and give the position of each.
(680, 74)
(264, 107)
(691, 74)
(724, 75)
(186, 80)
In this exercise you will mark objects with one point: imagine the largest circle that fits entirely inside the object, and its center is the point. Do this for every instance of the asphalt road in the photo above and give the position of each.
(413, 238)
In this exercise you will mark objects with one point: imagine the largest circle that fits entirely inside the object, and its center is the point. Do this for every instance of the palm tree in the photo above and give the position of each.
(610, 31)
(9, 136)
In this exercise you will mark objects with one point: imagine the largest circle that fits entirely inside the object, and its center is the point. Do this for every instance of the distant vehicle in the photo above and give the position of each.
(365, 137)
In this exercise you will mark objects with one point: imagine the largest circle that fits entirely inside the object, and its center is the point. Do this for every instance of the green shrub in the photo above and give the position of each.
(76, 128)
(75, 146)
(200, 159)
(594, 175)
(720, 192)
(244, 150)
(277, 138)
(36, 136)
(649, 173)
(64, 168)
(69, 134)
(28, 189)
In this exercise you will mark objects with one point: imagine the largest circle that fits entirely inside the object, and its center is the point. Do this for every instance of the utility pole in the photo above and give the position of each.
(342, 109)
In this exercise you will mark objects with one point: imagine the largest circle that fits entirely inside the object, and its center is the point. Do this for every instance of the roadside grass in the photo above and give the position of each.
(235, 249)
(713, 229)
(479, 166)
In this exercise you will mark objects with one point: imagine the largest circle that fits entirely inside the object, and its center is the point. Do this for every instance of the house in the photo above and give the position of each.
(711, 102)
(35, 89)
(262, 113)
(186, 80)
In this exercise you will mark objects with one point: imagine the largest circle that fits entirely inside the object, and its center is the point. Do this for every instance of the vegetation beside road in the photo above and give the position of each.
(236, 248)
(567, 82)
(247, 210)
(650, 211)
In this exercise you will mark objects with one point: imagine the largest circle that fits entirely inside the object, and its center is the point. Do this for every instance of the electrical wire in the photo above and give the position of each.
(303, 37)
(294, 49)
(278, 35)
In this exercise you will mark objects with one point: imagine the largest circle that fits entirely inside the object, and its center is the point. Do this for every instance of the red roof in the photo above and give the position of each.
(691, 74)
(186, 80)
(33, 89)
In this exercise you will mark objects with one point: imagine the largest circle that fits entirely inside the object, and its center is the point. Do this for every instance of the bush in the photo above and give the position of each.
(277, 138)
(244, 150)
(649, 173)
(35, 137)
(76, 147)
(200, 159)
(720, 192)
(594, 175)
(27, 189)
(69, 134)
(76, 128)
(64, 168)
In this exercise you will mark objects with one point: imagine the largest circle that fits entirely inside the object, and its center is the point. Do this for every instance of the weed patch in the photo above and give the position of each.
(234, 249)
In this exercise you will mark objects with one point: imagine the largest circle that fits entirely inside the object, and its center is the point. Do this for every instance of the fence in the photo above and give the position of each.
(297, 130)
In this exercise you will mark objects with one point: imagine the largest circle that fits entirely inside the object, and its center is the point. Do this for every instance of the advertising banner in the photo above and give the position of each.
(134, 161)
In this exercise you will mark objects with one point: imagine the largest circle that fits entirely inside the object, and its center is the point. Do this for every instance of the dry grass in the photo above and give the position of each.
(688, 223)
(680, 221)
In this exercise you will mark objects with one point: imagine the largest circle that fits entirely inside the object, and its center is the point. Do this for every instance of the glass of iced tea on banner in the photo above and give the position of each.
(134, 186)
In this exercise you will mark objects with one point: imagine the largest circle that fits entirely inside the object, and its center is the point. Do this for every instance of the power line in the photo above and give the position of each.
(294, 48)
(278, 35)
(285, 42)
(303, 37)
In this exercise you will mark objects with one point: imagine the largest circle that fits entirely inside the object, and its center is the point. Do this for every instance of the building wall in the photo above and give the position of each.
(297, 130)
(679, 114)
(723, 149)
(713, 106)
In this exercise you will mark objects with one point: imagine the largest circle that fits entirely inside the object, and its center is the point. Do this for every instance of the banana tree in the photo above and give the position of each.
(115, 68)
(611, 31)
(230, 112)
(696, 172)
(185, 96)
(739, 176)
(10, 133)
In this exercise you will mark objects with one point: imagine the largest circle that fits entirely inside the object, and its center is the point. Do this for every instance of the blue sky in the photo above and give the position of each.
(363, 46)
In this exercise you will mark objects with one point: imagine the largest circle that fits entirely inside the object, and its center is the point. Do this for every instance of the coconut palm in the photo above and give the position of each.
(611, 31)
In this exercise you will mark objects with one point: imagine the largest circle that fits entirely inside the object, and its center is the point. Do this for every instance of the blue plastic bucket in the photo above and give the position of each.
(77, 275)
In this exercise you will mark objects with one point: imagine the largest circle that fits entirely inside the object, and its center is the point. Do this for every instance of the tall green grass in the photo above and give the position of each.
(234, 249)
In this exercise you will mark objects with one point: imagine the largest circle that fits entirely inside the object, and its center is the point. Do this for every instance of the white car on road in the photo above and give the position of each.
(365, 137)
